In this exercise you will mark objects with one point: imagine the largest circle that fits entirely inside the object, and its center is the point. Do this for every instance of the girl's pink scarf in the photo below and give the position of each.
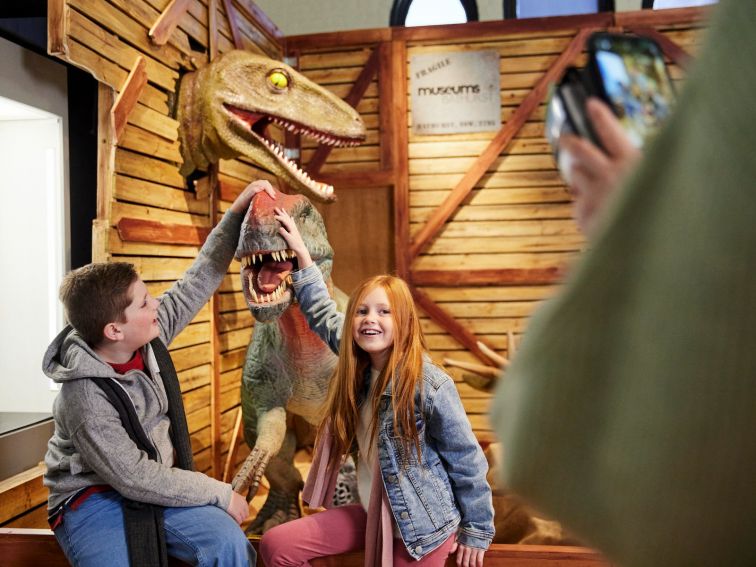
(321, 484)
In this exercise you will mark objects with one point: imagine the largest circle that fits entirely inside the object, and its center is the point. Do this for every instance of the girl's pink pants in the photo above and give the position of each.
(334, 531)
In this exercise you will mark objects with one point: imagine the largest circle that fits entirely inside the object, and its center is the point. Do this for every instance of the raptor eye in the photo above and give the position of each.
(278, 79)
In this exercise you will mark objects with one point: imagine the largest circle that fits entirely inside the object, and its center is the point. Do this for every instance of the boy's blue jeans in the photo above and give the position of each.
(93, 535)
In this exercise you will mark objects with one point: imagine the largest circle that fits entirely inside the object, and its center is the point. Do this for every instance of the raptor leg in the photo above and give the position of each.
(285, 481)
(272, 425)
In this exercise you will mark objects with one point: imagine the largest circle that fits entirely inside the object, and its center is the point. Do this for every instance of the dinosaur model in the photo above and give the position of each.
(224, 111)
(225, 108)
(288, 367)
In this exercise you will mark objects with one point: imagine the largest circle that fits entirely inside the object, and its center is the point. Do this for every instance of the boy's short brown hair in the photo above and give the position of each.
(95, 295)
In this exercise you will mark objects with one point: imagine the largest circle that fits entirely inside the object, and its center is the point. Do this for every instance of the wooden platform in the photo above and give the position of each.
(32, 548)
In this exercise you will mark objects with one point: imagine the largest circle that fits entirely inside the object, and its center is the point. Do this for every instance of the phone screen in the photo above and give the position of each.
(635, 82)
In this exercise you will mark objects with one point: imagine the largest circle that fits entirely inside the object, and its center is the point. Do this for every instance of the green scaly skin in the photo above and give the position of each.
(225, 108)
(287, 367)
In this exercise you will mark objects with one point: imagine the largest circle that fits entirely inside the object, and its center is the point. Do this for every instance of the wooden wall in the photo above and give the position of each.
(478, 224)
(482, 222)
(138, 180)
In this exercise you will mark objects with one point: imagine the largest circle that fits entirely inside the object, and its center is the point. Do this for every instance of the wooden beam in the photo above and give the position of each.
(358, 179)
(21, 492)
(658, 18)
(385, 127)
(106, 148)
(352, 99)
(216, 429)
(232, 16)
(399, 144)
(352, 38)
(478, 30)
(460, 333)
(212, 29)
(261, 20)
(57, 28)
(138, 230)
(233, 448)
(161, 30)
(128, 97)
(426, 234)
(25, 547)
(512, 276)
(676, 53)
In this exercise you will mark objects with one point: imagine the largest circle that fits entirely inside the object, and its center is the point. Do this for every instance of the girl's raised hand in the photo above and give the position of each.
(293, 238)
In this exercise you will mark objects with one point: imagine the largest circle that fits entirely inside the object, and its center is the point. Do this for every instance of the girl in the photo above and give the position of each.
(421, 472)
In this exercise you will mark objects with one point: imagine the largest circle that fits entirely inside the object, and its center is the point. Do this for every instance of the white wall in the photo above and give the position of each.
(31, 259)
(26, 296)
(295, 17)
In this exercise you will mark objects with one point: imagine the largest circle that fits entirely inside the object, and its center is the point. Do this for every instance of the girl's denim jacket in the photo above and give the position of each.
(448, 489)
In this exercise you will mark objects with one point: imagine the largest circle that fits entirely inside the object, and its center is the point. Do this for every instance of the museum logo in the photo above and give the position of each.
(449, 90)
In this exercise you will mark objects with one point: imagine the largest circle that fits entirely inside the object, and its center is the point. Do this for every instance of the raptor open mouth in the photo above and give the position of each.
(266, 278)
(258, 124)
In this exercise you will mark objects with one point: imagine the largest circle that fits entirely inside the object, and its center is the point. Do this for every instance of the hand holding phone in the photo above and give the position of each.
(629, 74)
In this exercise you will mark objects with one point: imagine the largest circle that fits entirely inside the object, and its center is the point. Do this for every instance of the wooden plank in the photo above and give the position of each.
(57, 28)
(512, 276)
(494, 196)
(212, 29)
(538, 260)
(541, 178)
(110, 46)
(488, 229)
(132, 31)
(149, 169)
(491, 153)
(140, 230)
(261, 20)
(657, 18)
(216, 348)
(113, 75)
(463, 335)
(118, 246)
(145, 192)
(195, 377)
(355, 95)
(166, 23)
(128, 96)
(672, 50)
(140, 140)
(105, 164)
(232, 18)
(561, 243)
(21, 492)
(153, 121)
(358, 179)
(500, 212)
(395, 72)
(330, 40)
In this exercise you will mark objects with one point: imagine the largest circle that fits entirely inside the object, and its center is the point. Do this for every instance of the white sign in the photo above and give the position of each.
(455, 92)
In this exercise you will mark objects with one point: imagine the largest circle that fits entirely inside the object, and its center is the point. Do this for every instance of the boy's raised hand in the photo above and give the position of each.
(293, 238)
(241, 203)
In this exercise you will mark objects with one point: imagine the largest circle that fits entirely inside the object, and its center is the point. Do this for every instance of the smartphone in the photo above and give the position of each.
(629, 73)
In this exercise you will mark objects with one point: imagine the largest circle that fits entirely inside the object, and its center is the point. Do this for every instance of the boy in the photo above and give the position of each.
(97, 471)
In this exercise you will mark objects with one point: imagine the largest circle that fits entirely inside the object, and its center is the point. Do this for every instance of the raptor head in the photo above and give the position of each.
(267, 262)
(225, 108)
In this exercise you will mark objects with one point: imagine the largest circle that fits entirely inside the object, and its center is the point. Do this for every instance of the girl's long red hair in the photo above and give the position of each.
(403, 370)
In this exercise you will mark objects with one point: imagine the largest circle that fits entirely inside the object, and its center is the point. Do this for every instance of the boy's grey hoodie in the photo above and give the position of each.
(90, 446)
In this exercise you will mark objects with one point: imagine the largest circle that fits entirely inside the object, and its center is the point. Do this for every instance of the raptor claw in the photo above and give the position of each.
(247, 480)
